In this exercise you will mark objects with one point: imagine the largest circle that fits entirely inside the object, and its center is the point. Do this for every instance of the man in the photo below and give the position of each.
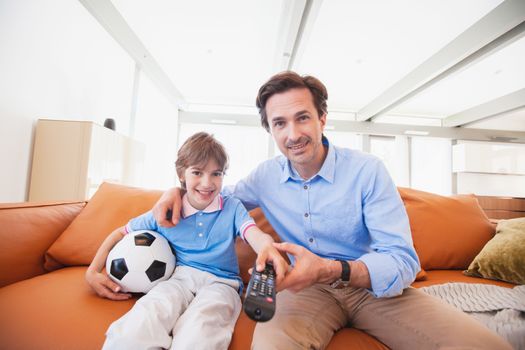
(347, 235)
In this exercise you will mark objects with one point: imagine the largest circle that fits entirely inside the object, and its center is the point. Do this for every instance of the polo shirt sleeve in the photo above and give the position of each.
(392, 262)
(145, 221)
(243, 221)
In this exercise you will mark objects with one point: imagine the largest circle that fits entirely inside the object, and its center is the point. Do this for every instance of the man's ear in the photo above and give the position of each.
(322, 119)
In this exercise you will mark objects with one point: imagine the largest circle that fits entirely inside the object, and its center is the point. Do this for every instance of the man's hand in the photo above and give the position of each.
(270, 254)
(104, 286)
(169, 202)
(308, 269)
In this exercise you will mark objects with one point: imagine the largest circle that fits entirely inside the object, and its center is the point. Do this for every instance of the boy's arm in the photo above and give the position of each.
(99, 281)
(262, 243)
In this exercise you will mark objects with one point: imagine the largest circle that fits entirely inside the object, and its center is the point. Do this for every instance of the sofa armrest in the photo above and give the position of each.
(27, 230)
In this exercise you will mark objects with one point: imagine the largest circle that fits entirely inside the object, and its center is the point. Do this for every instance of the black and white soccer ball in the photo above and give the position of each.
(140, 260)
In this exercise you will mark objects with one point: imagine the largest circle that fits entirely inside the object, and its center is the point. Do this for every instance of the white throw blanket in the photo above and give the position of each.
(500, 309)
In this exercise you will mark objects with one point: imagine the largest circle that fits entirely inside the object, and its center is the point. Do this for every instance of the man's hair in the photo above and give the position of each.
(198, 150)
(288, 80)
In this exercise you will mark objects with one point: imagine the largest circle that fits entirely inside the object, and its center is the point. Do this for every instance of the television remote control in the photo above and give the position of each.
(259, 303)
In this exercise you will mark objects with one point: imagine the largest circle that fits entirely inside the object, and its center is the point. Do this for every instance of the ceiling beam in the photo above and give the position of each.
(308, 19)
(113, 22)
(492, 32)
(295, 26)
(366, 128)
(492, 108)
(289, 24)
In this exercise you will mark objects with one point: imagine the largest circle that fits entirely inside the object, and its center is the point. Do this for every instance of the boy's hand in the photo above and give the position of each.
(270, 254)
(104, 286)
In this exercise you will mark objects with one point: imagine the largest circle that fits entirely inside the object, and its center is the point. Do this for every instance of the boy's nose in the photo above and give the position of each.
(206, 181)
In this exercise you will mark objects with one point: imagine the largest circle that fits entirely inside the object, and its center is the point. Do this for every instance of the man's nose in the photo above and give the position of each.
(293, 132)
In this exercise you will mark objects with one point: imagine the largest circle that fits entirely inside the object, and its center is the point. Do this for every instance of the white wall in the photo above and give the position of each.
(56, 62)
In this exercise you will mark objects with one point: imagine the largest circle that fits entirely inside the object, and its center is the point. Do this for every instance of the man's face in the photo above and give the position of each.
(297, 129)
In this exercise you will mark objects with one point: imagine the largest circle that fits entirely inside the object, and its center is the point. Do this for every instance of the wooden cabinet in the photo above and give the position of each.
(72, 158)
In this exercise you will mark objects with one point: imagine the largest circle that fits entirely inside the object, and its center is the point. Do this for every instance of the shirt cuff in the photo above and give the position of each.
(245, 227)
(384, 275)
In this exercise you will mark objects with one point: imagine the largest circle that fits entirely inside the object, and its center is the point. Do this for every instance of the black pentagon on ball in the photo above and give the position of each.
(119, 269)
(156, 270)
(144, 239)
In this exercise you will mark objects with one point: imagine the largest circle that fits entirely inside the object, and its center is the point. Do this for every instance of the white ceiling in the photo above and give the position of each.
(220, 52)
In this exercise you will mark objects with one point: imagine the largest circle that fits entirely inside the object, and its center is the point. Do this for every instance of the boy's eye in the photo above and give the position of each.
(218, 173)
(196, 172)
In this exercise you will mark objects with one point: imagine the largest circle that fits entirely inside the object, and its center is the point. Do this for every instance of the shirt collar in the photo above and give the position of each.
(189, 210)
(327, 170)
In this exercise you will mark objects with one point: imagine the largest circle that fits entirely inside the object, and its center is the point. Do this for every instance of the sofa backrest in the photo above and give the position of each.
(26, 232)
(447, 232)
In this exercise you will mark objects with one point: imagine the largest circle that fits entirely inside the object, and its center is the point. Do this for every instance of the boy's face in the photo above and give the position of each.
(203, 184)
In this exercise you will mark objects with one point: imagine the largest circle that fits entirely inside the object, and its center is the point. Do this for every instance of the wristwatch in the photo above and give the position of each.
(344, 280)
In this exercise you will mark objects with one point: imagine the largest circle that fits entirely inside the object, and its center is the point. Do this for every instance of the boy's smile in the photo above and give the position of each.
(203, 184)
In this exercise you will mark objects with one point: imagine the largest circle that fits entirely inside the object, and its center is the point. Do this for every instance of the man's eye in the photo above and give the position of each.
(304, 117)
(278, 124)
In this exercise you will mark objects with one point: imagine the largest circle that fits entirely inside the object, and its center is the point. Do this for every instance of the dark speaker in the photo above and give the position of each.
(110, 123)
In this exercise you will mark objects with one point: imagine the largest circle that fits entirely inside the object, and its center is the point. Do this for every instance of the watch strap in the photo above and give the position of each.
(345, 273)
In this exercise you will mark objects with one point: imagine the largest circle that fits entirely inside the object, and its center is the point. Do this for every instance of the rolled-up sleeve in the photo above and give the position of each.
(392, 261)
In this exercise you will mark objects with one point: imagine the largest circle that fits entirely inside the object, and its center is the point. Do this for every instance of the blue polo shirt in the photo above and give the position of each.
(205, 239)
(349, 210)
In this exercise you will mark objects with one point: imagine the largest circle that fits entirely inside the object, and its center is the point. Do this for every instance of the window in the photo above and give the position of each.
(247, 146)
(431, 165)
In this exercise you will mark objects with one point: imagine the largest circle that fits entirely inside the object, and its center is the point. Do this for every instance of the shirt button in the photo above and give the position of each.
(200, 234)
(200, 224)
(305, 187)
(306, 215)
(311, 240)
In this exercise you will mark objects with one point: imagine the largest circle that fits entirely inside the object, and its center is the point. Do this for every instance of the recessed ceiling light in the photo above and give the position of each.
(223, 121)
(416, 132)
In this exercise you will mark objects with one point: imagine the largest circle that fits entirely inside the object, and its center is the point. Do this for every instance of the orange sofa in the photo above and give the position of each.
(45, 302)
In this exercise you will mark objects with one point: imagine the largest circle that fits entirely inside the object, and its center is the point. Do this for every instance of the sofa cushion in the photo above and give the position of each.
(110, 207)
(56, 310)
(447, 276)
(448, 232)
(503, 257)
(37, 226)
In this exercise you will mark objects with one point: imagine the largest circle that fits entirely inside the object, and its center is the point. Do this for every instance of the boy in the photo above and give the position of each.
(198, 306)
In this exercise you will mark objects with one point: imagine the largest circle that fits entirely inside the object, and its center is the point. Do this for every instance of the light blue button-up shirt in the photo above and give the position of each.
(349, 210)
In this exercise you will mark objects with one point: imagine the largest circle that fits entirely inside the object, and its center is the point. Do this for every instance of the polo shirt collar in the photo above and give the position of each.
(189, 210)
(327, 170)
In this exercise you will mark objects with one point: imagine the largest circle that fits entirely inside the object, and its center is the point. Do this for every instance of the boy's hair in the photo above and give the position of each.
(197, 150)
(288, 80)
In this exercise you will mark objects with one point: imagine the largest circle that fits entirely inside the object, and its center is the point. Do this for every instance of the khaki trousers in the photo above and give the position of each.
(413, 320)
